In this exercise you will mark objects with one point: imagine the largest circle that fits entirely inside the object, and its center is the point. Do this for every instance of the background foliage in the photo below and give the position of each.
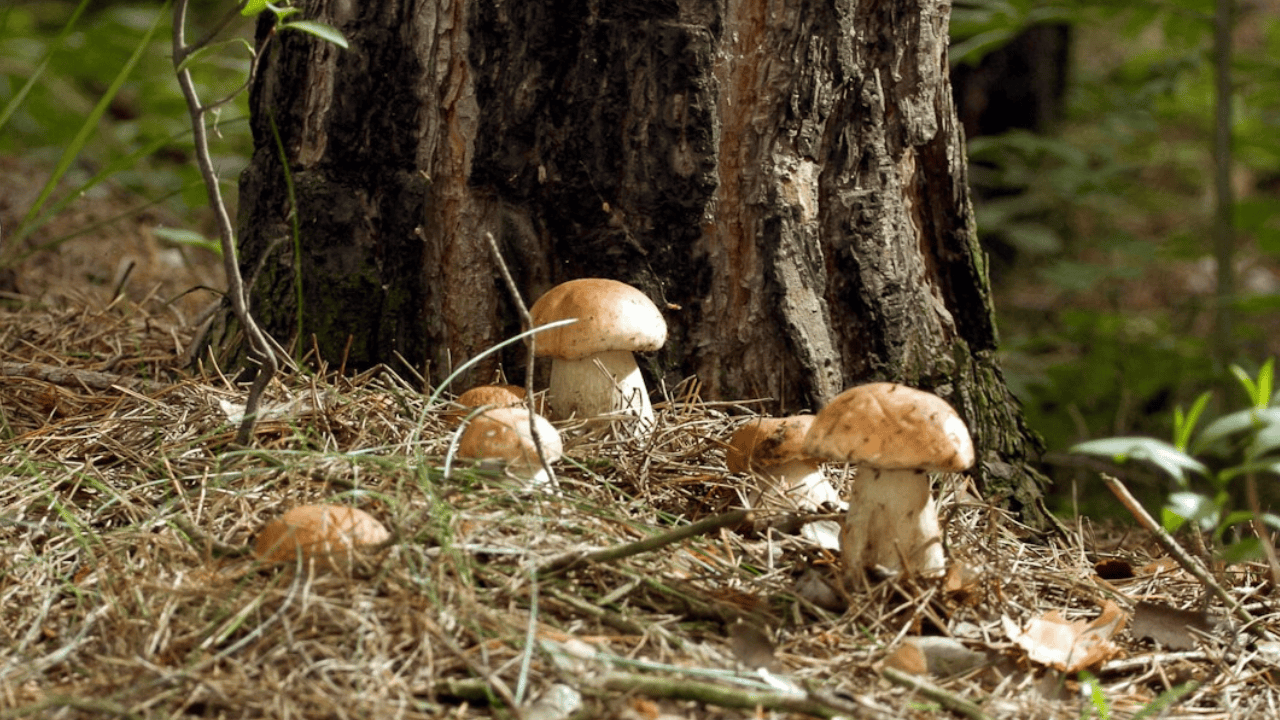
(1101, 227)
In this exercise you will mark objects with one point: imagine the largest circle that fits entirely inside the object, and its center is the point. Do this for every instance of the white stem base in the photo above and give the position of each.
(796, 485)
(607, 383)
(892, 523)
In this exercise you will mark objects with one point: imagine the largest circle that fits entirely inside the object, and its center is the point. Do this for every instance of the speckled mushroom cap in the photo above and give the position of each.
(323, 532)
(611, 315)
(892, 427)
(500, 395)
(503, 434)
(768, 442)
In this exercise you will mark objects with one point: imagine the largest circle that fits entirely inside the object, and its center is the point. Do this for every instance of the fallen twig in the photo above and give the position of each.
(715, 694)
(1171, 546)
(618, 552)
(91, 379)
(947, 699)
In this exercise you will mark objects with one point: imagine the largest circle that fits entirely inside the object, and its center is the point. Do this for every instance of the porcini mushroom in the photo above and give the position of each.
(485, 396)
(326, 534)
(896, 436)
(593, 371)
(771, 451)
(502, 435)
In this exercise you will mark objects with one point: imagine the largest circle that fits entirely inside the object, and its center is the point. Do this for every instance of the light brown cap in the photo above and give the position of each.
(326, 533)
(611, 315)
(503, 434)
(485, 395)
(499, 395)
(767, 442)
(893, 427)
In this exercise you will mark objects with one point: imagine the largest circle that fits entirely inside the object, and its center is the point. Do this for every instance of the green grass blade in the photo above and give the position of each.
(90, 124)
(16, 101)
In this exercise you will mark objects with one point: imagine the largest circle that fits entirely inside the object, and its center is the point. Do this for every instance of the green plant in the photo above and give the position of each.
(1208, 467)
(85, 99)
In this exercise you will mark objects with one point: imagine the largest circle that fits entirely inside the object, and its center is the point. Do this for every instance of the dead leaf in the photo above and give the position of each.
(1169, 626)
(1069, 646)
(930, 655)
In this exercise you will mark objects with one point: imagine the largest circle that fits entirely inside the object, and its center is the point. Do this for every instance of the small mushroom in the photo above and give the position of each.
(325, 534)
(482, 396)
(771, 450)
(502, 435)
(593, 371)
(896, 435)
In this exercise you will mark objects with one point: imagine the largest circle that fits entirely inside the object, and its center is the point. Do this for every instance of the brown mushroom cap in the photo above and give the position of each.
(326, 533)
(611, 315)
(768, 442)
(503, 434)
(893, 427)
(499, 395)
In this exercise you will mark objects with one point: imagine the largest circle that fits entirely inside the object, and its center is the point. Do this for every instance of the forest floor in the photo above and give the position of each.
(126, 588)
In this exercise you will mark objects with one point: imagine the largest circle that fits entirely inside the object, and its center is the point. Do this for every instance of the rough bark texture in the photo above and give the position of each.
(785, 177)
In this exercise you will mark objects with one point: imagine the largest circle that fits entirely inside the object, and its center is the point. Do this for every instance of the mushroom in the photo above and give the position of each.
(771, 450)
(502, 435)
(485, 395)
(327, 534)
(896, 435)
(593, 372)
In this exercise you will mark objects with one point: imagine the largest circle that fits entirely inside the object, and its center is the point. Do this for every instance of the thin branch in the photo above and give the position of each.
(618, 552)
(1171, 546)
(75, 377)
(260, 349)
(530, 344)
(723, 696)
(945, 698)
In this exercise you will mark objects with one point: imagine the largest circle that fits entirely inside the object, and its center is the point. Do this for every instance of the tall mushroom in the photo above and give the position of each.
(896, 435)
(502, 435)
(593, 372)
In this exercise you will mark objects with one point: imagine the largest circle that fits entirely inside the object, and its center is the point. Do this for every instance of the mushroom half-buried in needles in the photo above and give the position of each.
(327, 535)
(787, 478)
(502, 435)
(896, 435)
(593, 371)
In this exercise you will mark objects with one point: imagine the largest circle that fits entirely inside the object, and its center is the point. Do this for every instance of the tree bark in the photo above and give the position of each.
(786, 178)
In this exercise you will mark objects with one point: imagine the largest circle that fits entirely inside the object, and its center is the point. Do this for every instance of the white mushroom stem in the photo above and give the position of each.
(607, 383)
(532, 473)
(795, 485)
(892, 523)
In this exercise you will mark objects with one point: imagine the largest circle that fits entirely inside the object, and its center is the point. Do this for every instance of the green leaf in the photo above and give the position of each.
(191, 238)
(253, 7)
(1266, 466)
(1195, 508)
(1168, 458)
(1097, 697)
(1184, 425)
(1245, 550)
(1232, 423)
(320, 30)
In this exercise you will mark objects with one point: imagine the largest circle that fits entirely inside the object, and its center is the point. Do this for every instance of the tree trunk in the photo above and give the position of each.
(786, 178)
